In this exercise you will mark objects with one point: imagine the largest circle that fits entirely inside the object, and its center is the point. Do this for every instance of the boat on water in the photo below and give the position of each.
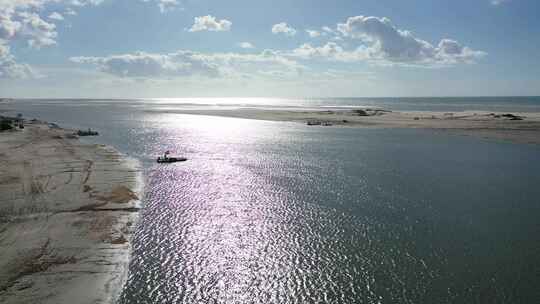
(88, 132)
(165, 159)
(162, 160)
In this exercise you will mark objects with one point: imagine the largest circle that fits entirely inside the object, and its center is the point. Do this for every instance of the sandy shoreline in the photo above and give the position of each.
(489, 125)
(67, 213)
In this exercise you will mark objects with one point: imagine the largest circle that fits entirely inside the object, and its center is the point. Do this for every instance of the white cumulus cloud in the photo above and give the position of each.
(165, 5)
(141, 64)
(389, 44)
(313, 33)
(329, 51)
(56, 16)
(283, 28)
(78, 2)
(210, 23)
(185, 63)
(23, 20)
(306, 50)
(328, 30)
(39, 32)
(9, 68)
(246, 45)
(70, 12)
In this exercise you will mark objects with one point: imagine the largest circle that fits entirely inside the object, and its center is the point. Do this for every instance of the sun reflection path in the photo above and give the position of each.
(237, 224)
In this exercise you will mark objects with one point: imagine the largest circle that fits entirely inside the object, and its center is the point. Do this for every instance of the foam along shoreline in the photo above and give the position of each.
(67, 213)
(514, 127)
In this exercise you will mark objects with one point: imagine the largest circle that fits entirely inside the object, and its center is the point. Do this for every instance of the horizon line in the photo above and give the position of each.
(262, 97)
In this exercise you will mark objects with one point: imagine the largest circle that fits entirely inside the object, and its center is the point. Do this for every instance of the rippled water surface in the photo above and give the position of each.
(271, 212)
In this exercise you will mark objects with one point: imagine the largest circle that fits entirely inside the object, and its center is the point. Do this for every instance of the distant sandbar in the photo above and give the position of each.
(515, 127)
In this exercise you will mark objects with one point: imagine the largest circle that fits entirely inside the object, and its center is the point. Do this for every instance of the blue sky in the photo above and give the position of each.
(182, 48)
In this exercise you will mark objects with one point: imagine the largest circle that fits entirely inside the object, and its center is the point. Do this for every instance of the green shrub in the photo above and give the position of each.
(5, 124)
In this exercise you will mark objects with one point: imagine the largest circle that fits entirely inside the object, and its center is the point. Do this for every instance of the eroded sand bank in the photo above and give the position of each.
(67, 211)
(501, 126)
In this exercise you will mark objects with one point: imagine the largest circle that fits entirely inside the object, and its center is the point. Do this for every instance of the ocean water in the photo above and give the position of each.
(276, 212)
(440, 104)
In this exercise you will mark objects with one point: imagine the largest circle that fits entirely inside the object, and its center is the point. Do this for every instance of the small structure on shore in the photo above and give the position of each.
(88, 132)
(369, 112)
(512, 116)
(19, 121)
(507, 116)
(319, 123)
(360, 112)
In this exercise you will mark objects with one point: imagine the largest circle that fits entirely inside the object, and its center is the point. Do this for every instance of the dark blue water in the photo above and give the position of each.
(270, 212)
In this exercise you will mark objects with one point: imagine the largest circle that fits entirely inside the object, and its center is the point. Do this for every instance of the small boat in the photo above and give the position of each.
(165, 159)
(89, 132)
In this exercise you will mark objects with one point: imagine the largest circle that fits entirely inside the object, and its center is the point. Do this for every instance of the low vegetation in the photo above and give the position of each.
(6, 124)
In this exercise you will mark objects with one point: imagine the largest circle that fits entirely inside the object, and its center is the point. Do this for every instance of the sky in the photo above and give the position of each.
(278, 48)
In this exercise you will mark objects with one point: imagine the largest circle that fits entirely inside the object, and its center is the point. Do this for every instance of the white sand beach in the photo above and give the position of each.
(514, 127)
(67, 213)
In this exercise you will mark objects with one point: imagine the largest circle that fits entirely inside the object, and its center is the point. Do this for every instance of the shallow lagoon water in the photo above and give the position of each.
(273, 212)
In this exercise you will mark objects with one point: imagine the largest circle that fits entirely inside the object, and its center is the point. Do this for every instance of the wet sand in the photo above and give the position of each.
(514, 127)
(67, 213)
